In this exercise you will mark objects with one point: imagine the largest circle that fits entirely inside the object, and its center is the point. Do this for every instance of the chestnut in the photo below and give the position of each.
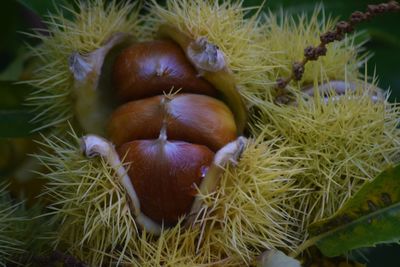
(165, 175)
(150, 68)
(197, 119)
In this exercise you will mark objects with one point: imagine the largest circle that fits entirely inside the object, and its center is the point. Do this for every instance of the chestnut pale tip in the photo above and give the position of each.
(230, 153)
(93, 146)
(205, 56)
(81, 66)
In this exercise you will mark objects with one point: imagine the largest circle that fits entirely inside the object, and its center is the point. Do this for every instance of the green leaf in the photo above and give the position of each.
(370, 217)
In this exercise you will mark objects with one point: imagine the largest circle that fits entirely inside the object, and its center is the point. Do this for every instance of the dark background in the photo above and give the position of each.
(18, 16)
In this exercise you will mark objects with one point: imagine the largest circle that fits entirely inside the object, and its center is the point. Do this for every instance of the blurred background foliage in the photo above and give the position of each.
(18, 16)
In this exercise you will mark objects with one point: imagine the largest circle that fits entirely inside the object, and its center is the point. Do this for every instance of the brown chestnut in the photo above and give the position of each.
(165, 175)
(151, 68)
(192, 118)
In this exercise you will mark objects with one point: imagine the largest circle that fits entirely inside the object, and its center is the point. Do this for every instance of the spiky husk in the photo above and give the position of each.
(249, 213)
(344, 142)
(252, 210)
(11, 246)
(286, 36)
(174, 247)
(325, 151)
(224, 24)
(88, 202)
(91, 26)
(96, 224)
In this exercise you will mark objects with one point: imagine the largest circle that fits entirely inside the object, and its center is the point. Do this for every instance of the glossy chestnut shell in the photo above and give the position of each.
(151, 68)
(165, 175)
(192, 118)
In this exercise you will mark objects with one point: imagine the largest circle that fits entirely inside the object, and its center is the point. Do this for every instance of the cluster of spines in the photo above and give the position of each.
(93, 25)
(228, 25)
(343, 140)
(253, 210)
(285, 37)
(97, 226)
(343, 27)
(88, 201)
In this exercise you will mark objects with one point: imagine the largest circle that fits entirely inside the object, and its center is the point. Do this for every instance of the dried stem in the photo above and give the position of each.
(312, 53)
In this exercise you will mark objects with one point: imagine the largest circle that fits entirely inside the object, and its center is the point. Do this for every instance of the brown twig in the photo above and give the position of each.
(312, 53)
